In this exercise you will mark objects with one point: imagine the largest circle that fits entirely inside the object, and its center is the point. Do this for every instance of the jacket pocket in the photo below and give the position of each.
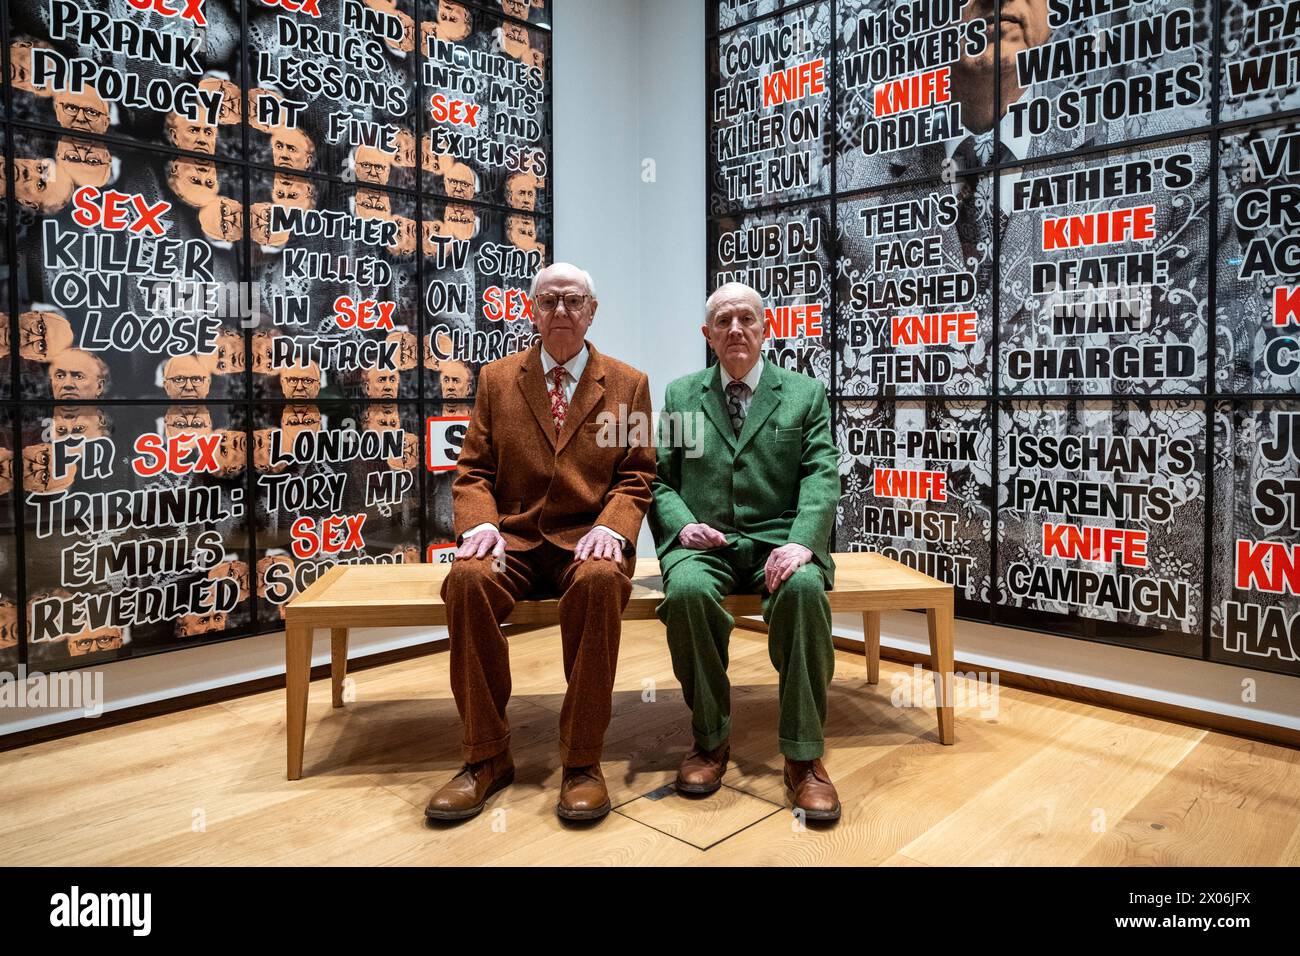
(789, 434)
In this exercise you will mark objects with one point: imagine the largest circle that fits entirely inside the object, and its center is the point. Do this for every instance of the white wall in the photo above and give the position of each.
(629, 86)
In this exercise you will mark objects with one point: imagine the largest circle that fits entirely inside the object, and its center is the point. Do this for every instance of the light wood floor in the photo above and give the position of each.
(1043, 781)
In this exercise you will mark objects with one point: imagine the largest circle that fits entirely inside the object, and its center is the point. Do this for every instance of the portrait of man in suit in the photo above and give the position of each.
(750, 510)
(544, 503)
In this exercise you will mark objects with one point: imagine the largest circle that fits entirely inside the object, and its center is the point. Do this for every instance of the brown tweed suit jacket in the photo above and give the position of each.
(514, 471)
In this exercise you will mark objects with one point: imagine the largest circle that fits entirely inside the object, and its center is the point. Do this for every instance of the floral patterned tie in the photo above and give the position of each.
(559, 404)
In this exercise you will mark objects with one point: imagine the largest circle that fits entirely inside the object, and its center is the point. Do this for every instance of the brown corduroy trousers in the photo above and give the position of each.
(593, 596)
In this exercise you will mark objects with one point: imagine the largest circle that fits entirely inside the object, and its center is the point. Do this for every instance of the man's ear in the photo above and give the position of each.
(594, 305)
(704, 330)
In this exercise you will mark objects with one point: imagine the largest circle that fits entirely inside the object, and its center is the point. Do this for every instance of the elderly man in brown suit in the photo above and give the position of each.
(545, 502)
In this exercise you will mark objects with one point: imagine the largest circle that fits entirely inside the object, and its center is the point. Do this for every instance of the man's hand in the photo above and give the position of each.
(597, 543)
(701, 537)
(783, 562)
(482, 543)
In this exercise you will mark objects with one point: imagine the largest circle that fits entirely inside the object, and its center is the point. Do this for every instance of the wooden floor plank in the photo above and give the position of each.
(1022, 784)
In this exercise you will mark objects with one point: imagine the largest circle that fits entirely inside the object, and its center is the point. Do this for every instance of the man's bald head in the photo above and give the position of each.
(566, 270)
(732, 290)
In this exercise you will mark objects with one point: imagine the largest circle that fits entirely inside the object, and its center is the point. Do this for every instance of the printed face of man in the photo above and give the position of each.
(459, 181)
(373, 205)
(222, 220)
(407, 349)
(296, 419)
(232, 453)
(436, 163)
(562, 329)
(41, 185)
(521, 231)
(262, 352)
(300, 381)
(187, 377)
(77, 375)
(381, 383)
(84, 162)
(433, 227)
(91, 641)
(514, 40)
(6, 471)
(236, 570)
(194, 135)
(735, 331)
(538, 59)
(84, 112)
(42, 336)
(259, 225)
(228, 359)
(20, 66)
(405, 244)
(292, 149)
(262, 451)
(229, 110)
(516, 8)
(8, 624)
(521, 191)
(381, 418)
(38, 473)
(405, 149)
(372, 165)
(1023, 24)
(72, 422)
(259, 95)
(453, 21)
(292, 191)
(264, 566)
(194, 181)
(187, 420)
(192, 625)
(460, 221)
(410, 454)
(454, 379)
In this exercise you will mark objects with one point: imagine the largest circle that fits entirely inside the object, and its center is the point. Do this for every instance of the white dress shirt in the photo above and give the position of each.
(751, 379)
(573, 369)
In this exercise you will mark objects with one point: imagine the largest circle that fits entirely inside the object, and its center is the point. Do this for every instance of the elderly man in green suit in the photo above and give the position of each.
(748, 507)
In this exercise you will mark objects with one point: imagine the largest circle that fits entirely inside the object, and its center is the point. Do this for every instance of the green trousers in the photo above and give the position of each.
(798, 617)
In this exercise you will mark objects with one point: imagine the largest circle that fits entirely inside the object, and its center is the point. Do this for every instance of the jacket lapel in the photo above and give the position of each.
(766, 397)
(590, 391)
(715, 406)
(533, 384)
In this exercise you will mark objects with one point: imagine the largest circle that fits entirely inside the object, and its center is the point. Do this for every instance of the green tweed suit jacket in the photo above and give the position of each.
(776, 483)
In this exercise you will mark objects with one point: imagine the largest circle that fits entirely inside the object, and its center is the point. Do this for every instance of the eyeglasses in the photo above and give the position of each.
(547, 301)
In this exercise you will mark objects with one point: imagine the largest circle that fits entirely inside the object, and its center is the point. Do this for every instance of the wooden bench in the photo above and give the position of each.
(404, 595)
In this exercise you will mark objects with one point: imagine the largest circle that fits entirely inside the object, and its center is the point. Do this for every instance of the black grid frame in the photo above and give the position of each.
(15, 527)
(1199, 642)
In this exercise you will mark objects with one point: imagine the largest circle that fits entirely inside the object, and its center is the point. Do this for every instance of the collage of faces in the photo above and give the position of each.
(254, 257)
(1042, 255)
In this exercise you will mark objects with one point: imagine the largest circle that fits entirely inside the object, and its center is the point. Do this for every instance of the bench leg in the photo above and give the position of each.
(940, 622)
(338, 662)
(871, 638)
(297, 678)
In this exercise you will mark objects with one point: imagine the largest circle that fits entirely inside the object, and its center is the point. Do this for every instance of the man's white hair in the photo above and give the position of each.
(730, 289)
(586, 277)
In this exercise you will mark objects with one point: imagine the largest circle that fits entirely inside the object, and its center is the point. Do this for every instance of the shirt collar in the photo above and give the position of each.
(751, 377)
(1018, 146)
(573, 366)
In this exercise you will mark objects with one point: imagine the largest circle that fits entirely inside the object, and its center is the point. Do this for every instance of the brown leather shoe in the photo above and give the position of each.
(809, 788)
(582, 794)
(701, 770)
(465, 795)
